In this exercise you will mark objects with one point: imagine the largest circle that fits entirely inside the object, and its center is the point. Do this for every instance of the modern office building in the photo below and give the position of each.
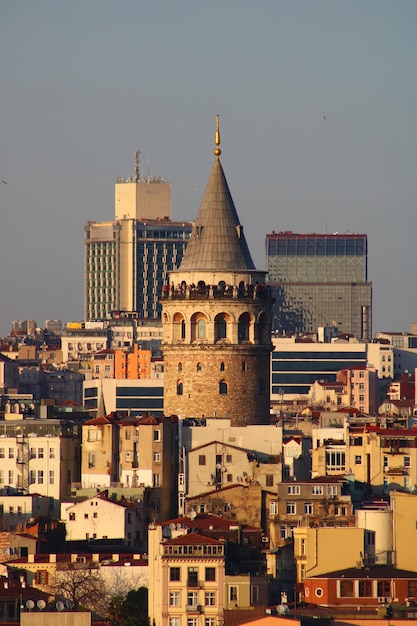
(320, 280)
(127, 260)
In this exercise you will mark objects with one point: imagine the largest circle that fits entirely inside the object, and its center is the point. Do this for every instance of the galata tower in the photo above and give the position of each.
(216, 314)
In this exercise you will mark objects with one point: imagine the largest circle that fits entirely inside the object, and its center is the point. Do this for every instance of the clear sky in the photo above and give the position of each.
(86, 82)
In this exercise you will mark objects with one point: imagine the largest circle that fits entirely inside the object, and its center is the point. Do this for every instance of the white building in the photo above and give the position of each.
(101, 518)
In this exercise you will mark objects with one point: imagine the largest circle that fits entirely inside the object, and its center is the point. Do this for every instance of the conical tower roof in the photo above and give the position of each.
(217, 241)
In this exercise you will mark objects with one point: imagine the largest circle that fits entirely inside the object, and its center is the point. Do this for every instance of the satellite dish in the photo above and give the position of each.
(60, 606)
(30, 605)
(41, 604)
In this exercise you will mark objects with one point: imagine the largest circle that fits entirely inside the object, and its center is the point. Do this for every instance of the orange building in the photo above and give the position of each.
(122, 364)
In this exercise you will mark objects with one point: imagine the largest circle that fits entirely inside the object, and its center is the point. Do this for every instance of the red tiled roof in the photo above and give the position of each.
(192, 539)
(206, 521)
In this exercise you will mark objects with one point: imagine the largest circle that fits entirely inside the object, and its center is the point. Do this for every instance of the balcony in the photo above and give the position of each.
(396, 471)
(194, 608)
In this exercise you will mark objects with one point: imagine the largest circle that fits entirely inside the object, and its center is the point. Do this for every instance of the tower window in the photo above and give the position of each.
(220, 327)
(223, 388)
(183, 329)
(243, 327)
(198, 367)
(201, 329)
(180, 367)
(222, 367)
(180, 389)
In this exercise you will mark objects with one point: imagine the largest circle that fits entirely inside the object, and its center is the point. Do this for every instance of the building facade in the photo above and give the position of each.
(320, 279)
(127, 261)
(217, 319)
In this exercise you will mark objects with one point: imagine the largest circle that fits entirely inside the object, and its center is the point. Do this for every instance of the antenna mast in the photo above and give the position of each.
(137, 176)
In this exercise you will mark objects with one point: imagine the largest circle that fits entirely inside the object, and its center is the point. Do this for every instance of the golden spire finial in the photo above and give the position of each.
(217, 150)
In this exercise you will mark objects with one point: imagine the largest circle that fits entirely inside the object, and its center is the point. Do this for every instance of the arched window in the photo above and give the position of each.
(244, 367)
(243, 327)
(220, 328)
(201, 329)
(222, 367)
(223, 388)
(180, 367)
(183, 329)
(198, 367)
(180, 389)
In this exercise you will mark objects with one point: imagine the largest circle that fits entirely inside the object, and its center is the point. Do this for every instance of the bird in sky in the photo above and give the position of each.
(323, 117)
(4, 182)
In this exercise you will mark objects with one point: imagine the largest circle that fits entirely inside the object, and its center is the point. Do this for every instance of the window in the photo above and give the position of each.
(365, 589)
(72, 517)
(11, 453)
(11, 477)
(407, 461)
(192, 578)
(384, 588)
(232, 593)
(317, 490)
(157, 457)
(192, 598)
(358, 459)
(40, 453)
(40, 477)
(127, 456)
(222, 367)
(332, 490)
(199, 367)
(201, 329)
(91, 459)
(180, 388)
(41, 577)
(220, 328)
(174, 598)
(291, 508)
(1, 453)
(210, 574)
(180, 367)
(229, 458)
(210, 621)
(95, 514)
(269, 480)
(293, 490)
(346, 589)
(1, 477)
(283, 532)
(223, 388)
(51, 453)
(85, 515)
(156, 480)
(254, 594)
(412, 588)
(174, 621)
(273, 508)
(192, 621)
(157, 435)
(308, 508)
(51, 477)
(174, 574)
(32, 477)
(202, 459)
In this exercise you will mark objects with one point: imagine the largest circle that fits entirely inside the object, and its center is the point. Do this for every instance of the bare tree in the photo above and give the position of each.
(82, 586)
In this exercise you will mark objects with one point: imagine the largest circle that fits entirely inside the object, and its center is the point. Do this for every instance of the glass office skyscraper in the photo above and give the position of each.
(320, 280)
(127, 261)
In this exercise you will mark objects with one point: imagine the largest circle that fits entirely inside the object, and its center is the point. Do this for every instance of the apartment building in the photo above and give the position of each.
(40, 456)
(133, 452)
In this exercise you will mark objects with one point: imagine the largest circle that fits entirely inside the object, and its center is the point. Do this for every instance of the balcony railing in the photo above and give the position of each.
(396, 471)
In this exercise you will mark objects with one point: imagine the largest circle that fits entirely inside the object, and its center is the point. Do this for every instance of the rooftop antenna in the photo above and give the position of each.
(149, 166)
(217, 150)
(137, 166)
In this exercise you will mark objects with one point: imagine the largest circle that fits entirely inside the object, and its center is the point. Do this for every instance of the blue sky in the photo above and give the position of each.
(84, 83)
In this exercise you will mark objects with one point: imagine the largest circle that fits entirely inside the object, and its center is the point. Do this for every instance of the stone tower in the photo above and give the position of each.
(216, 316)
